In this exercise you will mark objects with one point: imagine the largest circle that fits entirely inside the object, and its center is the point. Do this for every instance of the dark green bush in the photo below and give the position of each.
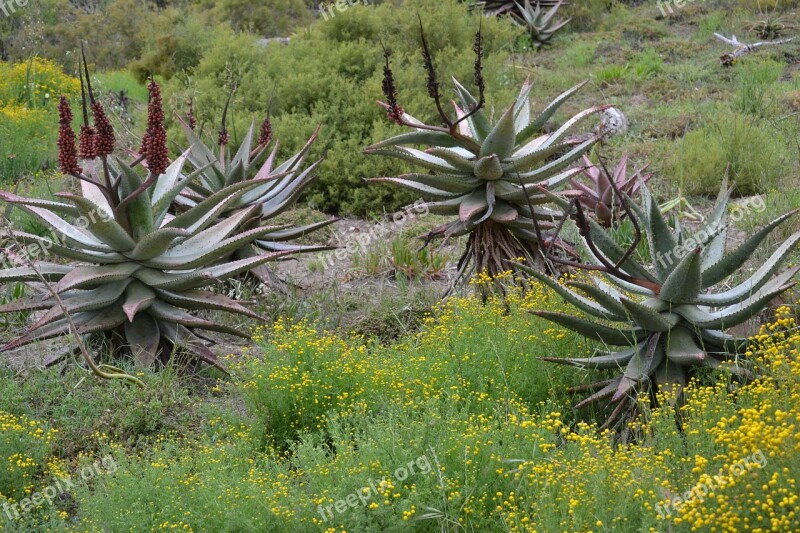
(331, 74)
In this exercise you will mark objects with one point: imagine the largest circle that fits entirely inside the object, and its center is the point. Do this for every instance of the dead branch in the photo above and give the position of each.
(741, 49)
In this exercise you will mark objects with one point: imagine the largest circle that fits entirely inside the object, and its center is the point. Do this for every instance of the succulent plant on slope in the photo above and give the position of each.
(669, 320)
(279, 187)
(499, 7)
(132, 271)
(599, 196)
(540, 22)
(491, 175)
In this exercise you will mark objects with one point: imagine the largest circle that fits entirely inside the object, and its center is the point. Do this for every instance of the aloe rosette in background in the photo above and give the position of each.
(599, 196)
(279, 186)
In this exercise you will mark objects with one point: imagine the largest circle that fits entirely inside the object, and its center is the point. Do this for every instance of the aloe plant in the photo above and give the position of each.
(130, 269)
(670, 320)
(599, 195)
(491, 175)
(279, 187)
(539, 21)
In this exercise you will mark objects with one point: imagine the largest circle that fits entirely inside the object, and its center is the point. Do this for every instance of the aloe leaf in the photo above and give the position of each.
(454, 159)
(567, 127)
(592, 330)
(428, 138)
(606, 245)
(68, 252)
(415, 185)
(169, 178)
(208, 254)
(50, 272)
(759, 281)
(207, 211)
(201, 277)
(683, 284)
(640, 367)
(649, 319)
(601, 296)
(445, 207)
(682, 348)
(70, 234)
(418, 157)
(478, 119)
(732, 315)
(724, 341)
(156, 243)
(523, 163)
(287, 197)
(659, 236)
(472, 205)
(603, 393)
(502, 139)
(298, 231)
(180, 337)
(734, 260)
(138, 297)
(539, 122)
(90, 300)
(584, 304)
(165, 312)
(54, 329)
(101, 226)
(504, 213)
(522, 106)
(144, 338)
(138, 210)
(87, 277)
(210, 237)
(559, 164)
(92, 192)
(55, 207)
(197, 300)
(242, 156)
(600, 360)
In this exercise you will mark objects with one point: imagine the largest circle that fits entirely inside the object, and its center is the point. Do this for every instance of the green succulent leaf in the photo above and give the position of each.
(592, 330)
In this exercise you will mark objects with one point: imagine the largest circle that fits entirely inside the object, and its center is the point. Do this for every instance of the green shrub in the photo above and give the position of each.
(753, 79)
(331, 74)
(758, 160)
(304, 376)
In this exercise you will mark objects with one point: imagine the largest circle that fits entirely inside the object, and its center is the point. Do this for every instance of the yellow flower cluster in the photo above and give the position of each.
(24, 445)
(35, 83)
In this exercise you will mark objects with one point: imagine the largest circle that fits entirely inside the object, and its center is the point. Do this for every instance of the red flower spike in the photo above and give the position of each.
(265, 134)
(86, 142)
(154, 142)
(67, 155)
(104, 137)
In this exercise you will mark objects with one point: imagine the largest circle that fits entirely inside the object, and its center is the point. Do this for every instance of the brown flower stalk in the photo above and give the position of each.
(67, 156)
(154, 142)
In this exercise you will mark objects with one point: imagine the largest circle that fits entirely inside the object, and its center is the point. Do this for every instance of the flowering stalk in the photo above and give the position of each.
(154, 141)
(67, 156)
